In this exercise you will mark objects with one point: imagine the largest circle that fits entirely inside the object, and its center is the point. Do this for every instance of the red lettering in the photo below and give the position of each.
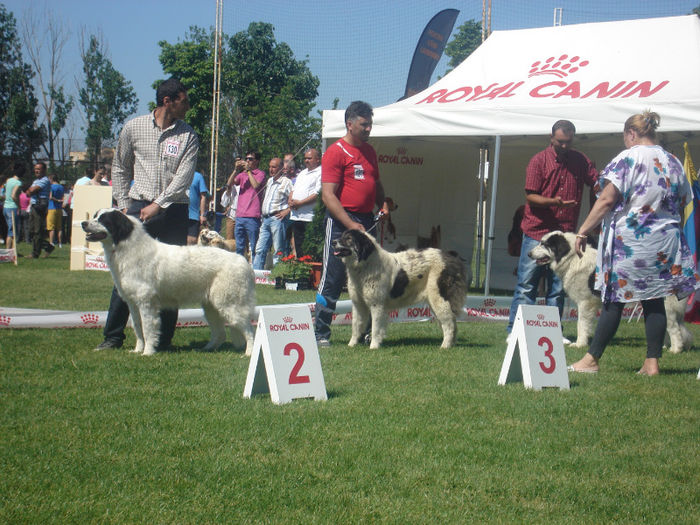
(464, 90)
(479, 91)
(573, 90)
(433, 96)
(535, 92)
(644, 89)
(602, 90)
(496, 92)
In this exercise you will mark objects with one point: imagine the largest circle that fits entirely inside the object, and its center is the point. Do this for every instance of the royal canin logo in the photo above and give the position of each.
(5, 320)
(287, 319)
(401, 157)
(89, 318)
(489, 302)
(540, 316)
(560, 67)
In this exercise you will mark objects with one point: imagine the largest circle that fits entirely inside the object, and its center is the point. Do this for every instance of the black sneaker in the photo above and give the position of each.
(108, 345)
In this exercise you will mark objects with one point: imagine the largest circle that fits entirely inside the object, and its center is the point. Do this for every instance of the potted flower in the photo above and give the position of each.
(292, 273)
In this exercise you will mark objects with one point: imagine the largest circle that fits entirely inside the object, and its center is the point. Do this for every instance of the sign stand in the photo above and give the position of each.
(285, 360)
(535, 353)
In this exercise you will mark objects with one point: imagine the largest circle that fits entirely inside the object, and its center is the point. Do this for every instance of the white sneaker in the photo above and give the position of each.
(510, 337)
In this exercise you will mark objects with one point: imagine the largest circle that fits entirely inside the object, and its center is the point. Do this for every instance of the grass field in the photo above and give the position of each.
(410, 433)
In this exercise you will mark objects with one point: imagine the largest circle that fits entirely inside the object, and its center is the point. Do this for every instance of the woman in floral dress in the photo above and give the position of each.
(642, 253)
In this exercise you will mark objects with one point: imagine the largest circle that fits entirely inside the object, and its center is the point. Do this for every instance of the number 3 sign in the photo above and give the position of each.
(285, 360)
(537, 339)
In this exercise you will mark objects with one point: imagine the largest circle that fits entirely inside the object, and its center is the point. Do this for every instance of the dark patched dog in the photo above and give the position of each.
(577, 274)
(150, 276)
(379, 281)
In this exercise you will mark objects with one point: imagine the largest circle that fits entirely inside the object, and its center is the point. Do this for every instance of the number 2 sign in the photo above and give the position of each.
(535, 353)
(285, 360)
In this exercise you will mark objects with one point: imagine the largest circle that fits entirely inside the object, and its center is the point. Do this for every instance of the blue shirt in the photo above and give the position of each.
(44, 189)
(56, 193)
(198, 187)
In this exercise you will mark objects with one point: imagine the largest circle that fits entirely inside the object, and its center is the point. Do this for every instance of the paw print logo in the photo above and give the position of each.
(540, 317)
(287, 319)
(489, 302)
(560, 67)
(89, 318)
(5, 320)
(401, 151)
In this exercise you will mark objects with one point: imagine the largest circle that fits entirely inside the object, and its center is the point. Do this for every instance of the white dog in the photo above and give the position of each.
(578, 276)
(379, 281)
(150, 275)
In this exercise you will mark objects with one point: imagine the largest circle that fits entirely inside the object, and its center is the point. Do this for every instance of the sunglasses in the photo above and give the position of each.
(250, 158)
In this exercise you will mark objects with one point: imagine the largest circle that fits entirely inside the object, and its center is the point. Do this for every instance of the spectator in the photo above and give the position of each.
(250, 185)
(229, 202)
(39, 193)
(275, 213)
(199, 196)
(153, 167)
(302, 200)
(553, 190)
(350, 188)
(289, 168)
(24, 207)
(54, 216)
(13, 188)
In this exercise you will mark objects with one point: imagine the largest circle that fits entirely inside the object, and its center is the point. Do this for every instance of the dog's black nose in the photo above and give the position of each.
(83, 224)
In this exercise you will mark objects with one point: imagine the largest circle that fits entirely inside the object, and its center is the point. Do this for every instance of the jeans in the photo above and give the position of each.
(273, 231)
(529, 275)
(246, 230)
(37, 227)
(170, 227)
(333, 275)
(10, 215)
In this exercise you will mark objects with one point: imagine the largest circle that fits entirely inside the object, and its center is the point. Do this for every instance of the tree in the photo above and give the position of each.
(463, 43)
(20, 136)
(44, 45)
(266, 94)
(106, 96)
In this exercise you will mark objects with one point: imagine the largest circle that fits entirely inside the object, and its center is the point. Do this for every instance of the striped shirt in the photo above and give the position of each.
(159, 162)
(276, 195)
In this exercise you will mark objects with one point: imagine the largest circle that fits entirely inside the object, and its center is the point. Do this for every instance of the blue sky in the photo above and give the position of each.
(359, 52)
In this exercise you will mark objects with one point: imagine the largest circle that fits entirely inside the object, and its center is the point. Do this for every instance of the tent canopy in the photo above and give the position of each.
(506, 96)
(520, 82)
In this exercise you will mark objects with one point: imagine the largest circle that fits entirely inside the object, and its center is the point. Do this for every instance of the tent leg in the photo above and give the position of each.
(492, 215)
(480, 218)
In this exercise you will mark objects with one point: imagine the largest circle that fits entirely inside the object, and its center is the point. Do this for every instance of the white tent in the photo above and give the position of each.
(506, 96)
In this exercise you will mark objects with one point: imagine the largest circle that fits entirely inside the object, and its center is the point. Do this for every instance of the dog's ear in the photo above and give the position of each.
(559, 246)
(363, 245)
(117, 224)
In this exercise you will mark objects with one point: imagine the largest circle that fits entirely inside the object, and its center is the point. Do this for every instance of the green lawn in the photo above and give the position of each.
(410, 433)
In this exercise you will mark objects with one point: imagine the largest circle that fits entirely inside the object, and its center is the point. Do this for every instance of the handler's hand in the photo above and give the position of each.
(356, 226)
(560, 203)
(580, 246)
(149, 212)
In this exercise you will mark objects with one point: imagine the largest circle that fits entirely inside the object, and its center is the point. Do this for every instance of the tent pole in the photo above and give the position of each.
(492, 214)
(479, 218)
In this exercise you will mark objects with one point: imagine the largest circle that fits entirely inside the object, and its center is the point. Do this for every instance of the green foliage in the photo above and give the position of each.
(20, 136)
(106, 96)
(463, 43)
(315, 234)
(267, 95)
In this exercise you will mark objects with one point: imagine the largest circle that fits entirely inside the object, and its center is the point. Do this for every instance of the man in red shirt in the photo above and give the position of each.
(350, 188)
(553, 190)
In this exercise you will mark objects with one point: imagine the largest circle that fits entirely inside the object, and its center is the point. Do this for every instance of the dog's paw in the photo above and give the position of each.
(149, 350)
(673, 350)
(211, 346)
(352, 342)
(578, 344)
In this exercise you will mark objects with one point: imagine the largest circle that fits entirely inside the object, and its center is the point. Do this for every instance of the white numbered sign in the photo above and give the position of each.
(535, 353)
(285, 360)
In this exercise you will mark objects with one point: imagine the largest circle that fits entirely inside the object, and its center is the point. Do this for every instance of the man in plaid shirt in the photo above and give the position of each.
(553, 190)
(152, 169)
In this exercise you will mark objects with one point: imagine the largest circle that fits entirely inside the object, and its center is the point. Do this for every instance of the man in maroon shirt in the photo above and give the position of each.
(553, 190)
